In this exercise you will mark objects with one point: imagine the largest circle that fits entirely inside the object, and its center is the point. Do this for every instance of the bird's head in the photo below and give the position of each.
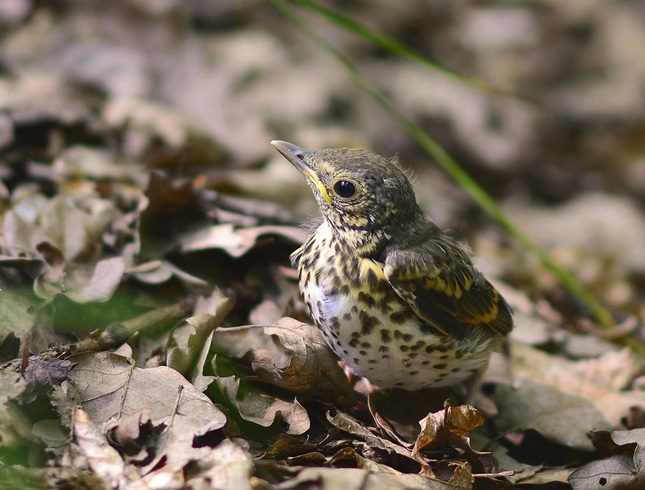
(365, 198)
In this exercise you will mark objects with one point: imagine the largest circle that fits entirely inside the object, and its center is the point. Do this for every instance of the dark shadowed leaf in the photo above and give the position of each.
(16, 312)
(289, 354)
(559, 417)
(255, 405)
(360, 479)
(42, 374)
(354, 427)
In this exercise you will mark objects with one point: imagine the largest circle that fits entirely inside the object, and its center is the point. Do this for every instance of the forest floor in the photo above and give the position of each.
(151, 329)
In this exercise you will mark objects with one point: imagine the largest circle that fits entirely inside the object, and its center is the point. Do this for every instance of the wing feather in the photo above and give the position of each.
(439, 282)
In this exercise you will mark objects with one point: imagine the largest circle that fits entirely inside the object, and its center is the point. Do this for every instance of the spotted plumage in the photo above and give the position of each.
(395, 298)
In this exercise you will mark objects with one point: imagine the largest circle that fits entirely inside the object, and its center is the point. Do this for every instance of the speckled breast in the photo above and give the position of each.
(372, 330)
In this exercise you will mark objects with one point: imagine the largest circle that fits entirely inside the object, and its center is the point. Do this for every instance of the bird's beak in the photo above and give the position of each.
(296, 156)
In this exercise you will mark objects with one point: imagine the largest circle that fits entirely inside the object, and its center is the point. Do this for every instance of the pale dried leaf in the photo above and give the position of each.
(104, 460)
(108, 387)
(544, 477)
(160, 271)
(34, 95)
(614, 473)
(93, 163)
(226, 466)
(430, 435)
(12, 386)
(634, 436)
(51, 433)
(234, 241)
(84, 286)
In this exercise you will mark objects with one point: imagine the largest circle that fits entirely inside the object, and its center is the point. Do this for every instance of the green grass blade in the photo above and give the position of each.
(450, 165)
(388, 44)
(395, 47)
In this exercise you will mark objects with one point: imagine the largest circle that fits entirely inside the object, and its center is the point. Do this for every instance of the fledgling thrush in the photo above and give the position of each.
(396, 299)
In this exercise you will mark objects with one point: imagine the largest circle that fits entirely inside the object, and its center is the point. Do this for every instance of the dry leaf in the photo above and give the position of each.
(613, 473)
(109, 388)
(289, 354)
(263, 409)
(105, 461)
(598, 383)
(84, 285)
(234, 241)
(17, 317)
(194, 342)
(448, 427)
(565, 419)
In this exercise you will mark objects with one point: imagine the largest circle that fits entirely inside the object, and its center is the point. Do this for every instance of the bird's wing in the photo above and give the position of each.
(444, 289)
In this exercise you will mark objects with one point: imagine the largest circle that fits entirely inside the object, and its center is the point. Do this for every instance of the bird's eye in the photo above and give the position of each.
(344, 188)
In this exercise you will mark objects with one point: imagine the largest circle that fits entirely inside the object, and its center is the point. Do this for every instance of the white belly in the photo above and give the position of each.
(401, 358)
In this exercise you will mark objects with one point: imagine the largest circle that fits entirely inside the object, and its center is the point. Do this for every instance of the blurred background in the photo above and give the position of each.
(556, 134)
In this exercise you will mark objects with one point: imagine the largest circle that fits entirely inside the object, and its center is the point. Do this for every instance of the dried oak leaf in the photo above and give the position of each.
(634, 436)
(614, 473)
(288, 354)
(623, 469)
(226, 466)
(85, 285)
(96, 452)
(73, 225)
(449, 427)
(110, 389)
(193, 341)
(233, 240)
(258, 407)
(12, 387)
(107, 385)
(348, 424)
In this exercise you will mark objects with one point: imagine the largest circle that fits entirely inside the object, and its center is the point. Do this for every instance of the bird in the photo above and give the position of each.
(396, 298)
